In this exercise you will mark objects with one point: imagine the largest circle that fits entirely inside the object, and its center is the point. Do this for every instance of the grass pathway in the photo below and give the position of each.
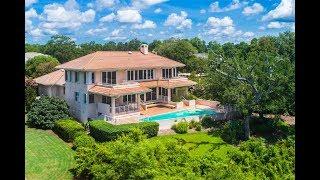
(47, 156)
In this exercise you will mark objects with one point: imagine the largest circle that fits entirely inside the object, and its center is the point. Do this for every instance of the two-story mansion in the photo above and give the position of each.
(116, 84)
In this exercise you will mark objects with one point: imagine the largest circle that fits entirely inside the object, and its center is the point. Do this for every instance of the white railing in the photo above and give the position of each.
(162, 98)
(127, 108)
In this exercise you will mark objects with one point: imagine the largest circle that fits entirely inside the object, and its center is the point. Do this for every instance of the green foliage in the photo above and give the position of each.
(45, 111)
(40, 65)
(83, 140)
(233, 132)
(102, 131)
(181, 127)
(68, 129)
(135, 157)
(198, 126)
(207, 122)
(32, 48)
(30, 95)
(199, 44)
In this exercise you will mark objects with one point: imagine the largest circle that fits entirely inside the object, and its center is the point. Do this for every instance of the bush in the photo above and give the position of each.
(233, 132)
(102, 131)
(83, 140)
(30, 97)
(207, 122)
(40, 65)
(198, 127)
(192, 124)
(181, 127)
(45, 111)
(68, 129)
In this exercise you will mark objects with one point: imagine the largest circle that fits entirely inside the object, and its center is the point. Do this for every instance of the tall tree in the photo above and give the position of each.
(154, 44)
(40, 65)
(199, 44)
(61, 47)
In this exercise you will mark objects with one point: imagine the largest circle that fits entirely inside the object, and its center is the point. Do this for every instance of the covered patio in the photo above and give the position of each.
(113, 102)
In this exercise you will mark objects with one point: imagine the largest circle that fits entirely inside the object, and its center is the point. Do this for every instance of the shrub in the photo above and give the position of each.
(207, 122)
(83, 140)
(181, 127)
(30, 97)
(192, 124)
(68, 129)
(233, 132)
(102, 131)
(198, 127)
(45, 111)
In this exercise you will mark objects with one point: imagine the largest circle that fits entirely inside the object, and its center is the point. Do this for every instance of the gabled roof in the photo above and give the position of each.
(112, 92)
(172, 83)
(102, 60)
(53, 78)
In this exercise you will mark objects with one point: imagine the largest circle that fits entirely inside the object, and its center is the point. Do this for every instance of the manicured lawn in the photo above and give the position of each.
(199, 143)
(47, 156)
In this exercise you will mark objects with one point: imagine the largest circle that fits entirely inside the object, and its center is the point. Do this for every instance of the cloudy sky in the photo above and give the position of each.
(122, 20)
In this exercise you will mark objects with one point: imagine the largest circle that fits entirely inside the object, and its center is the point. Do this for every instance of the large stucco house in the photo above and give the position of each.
(117, 85)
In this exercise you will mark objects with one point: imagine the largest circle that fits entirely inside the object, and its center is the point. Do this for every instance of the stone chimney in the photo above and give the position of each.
(144, 49)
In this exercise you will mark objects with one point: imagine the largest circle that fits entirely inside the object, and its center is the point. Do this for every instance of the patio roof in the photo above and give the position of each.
(172, 83)
(112, 92)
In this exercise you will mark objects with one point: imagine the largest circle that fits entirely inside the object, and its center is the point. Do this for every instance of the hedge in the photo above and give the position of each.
(102, 131)
(68, 129)
(83, 140)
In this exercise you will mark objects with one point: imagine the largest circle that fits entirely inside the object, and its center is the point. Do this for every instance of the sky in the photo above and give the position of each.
(122, 20)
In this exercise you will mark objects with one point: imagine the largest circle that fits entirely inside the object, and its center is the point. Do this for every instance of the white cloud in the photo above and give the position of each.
(71, 5)
(235, 4)
(256, 8)
(31, 13)
(202, 11)
(150, 35)
(129, 16)
(116, 32)
(142, 4)
(278, 25)
(108, 18)
(96, 31)
(293, 27)
(30, 2)
(179, 21)
(261, 28)
(217, 22)
(56, 16)
(158, 10)
(36, 32)
(162, 32)
(284, 11)
(248, 34)
(102, 4)
(115, 35)
(90, 5)
(146, 25)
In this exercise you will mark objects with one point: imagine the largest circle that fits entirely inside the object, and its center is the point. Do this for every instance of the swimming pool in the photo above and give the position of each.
(180, 114)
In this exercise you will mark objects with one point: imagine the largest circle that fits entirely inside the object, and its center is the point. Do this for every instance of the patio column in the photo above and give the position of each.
(144, 97)
(169, 94)
(113, 106)
(157, 93)
(138, 100)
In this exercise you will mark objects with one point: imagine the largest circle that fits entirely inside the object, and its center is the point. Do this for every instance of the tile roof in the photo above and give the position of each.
(53, 78)
(101, 60)
(172, 83)
(112, 92)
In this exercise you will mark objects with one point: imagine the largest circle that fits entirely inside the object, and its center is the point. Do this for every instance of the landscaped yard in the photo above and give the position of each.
(198, 143)
(47, 156)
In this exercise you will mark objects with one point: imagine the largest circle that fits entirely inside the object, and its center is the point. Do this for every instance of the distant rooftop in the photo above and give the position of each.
(29, 55)
(201, 55)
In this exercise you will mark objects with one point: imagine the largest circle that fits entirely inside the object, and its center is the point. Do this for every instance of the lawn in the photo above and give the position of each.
(199, 143)
(47, 156)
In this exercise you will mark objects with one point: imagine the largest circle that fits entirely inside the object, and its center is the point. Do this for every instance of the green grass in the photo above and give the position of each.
(199, 143)
(47, 156)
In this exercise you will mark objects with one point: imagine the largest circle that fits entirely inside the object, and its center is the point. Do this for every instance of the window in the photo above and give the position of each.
(64, 90)
(76, 96)
(163, 73)
(106, 100)
(66, 75)
(136, 75)
(151, 73)
(92, 77)
(163, 91)
(104, 77)
(76, 76)
(130, 75)
(109, 77)
(85, 98)
(174, 72)
(91, 98)
(85, 77)
(169, 73)
(144, 74)
(129, 98)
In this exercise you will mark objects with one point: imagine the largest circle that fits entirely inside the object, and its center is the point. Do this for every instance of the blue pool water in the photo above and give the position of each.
(181, 114)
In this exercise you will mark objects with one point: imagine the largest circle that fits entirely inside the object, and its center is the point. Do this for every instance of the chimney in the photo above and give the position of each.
(144, 49)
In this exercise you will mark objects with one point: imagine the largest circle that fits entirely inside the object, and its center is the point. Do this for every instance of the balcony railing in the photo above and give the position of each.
(127, 108)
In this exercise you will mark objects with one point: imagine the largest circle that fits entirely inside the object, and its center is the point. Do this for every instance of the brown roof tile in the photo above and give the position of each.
(111, 92)
(172, 83)
(53, 78)
(101, 60)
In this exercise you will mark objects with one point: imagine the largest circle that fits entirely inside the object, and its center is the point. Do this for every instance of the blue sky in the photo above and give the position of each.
(122, 20)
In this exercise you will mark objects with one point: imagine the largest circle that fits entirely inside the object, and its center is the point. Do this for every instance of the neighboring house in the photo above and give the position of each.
(30, 55)
(115, 85)
(51, 84)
